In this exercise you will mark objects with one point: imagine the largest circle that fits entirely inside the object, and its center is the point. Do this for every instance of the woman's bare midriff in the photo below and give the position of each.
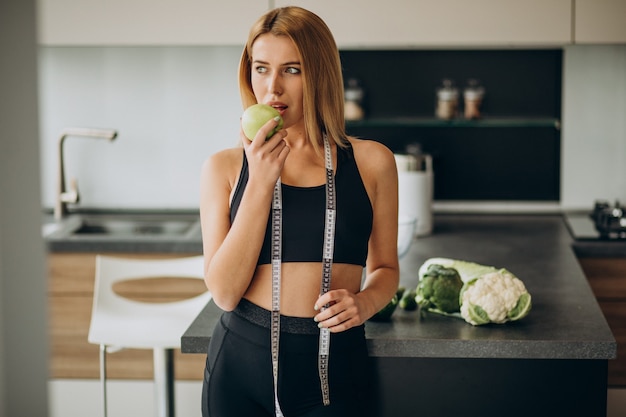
(300, 287)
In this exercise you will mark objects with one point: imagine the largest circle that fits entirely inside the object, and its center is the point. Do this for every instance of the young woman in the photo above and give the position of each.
(288, 224)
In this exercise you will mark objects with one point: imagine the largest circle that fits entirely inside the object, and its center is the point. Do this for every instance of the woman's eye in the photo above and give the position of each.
(260, 69)
(293, 70)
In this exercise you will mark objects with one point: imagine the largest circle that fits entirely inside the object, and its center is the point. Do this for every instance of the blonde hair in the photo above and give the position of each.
(321, 70)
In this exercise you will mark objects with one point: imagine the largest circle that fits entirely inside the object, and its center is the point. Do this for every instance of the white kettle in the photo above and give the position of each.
(415, 190)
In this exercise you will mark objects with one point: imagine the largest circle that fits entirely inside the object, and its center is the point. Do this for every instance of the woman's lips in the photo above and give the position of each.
(282, 108)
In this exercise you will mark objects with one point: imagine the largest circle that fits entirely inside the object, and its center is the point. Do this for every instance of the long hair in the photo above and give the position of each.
(321, 70)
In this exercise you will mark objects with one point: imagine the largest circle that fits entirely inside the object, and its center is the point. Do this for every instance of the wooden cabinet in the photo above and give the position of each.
(458, 23)
(147, 22)
(599, 21)
(71, 282)
(607, 277)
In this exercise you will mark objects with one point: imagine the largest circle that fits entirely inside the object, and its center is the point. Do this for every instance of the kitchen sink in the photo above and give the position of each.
(133, 227)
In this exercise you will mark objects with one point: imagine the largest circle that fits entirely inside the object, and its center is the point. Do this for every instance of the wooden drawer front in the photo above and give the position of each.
(71, 281)
(607, 276)
(72, 273)
(615, 313)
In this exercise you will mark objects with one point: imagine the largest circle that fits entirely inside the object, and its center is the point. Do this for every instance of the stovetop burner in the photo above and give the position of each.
(609, 221)
(605, 222)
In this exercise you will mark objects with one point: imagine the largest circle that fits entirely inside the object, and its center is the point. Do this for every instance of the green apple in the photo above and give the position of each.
(256, 116)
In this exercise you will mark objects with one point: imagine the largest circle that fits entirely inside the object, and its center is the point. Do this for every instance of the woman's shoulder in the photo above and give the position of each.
(225, 158)
(372, 154)
(225, 163)
(377, 167)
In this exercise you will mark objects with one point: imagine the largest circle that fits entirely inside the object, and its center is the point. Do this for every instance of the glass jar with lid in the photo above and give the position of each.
(473, 97)
(353, 105)
(447, 100)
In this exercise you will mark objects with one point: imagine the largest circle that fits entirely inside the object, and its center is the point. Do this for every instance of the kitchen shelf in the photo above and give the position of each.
(502, 122)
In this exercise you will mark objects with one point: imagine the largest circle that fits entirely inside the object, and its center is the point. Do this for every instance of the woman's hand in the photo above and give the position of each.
(266, 157)
(345, 310)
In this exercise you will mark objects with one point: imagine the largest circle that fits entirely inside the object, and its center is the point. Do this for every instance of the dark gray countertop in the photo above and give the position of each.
(565, 322)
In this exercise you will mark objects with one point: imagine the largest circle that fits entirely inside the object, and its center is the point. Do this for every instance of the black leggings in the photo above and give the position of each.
(238, 375)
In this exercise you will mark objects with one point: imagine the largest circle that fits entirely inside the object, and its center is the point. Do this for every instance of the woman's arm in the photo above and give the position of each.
(382, 268)
(231, 251)
(380, 176)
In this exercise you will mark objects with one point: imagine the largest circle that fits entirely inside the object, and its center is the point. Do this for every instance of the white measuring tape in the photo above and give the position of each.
(327, 263)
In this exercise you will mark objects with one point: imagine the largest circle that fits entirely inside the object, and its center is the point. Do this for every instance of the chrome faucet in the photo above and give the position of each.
(65, 197)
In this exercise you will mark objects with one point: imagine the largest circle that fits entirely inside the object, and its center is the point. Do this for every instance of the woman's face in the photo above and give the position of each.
(276, 76)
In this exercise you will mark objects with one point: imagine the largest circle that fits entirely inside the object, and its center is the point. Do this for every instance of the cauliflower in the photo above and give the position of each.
(495, 297)
(439, 289)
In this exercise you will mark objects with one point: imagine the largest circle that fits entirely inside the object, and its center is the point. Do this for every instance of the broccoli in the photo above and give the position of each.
(439, 289)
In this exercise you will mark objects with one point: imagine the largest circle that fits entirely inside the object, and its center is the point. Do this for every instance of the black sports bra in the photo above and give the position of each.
(303, 216)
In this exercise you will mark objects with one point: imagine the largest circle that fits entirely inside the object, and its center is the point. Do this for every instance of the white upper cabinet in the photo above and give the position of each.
(600, 21)
(355, 24)
(444, 23)
(146, 22)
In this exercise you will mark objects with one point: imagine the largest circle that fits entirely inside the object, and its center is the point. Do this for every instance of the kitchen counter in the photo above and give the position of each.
(558, 353)
(565, 321)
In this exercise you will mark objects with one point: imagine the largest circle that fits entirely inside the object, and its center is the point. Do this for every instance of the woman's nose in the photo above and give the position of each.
(275, 87)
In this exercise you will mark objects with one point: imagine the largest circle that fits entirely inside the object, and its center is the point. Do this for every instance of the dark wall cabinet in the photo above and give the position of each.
(512, 153)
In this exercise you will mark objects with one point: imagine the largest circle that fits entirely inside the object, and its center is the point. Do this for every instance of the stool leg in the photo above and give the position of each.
(164, 381)
(103, 378)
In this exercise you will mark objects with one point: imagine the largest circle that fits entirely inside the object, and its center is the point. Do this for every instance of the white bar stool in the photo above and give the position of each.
(118, 322)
